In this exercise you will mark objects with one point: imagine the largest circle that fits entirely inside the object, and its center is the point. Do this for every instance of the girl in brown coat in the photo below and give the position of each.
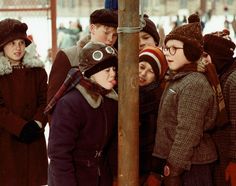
(23, 86)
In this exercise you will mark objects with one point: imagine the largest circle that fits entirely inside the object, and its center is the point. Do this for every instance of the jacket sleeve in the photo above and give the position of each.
(41, 97)
(194, 102)
(60, 68)
(62, 142)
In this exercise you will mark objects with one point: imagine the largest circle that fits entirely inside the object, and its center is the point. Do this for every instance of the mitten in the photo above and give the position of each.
(152, 180)
(230, 173)
(30, 132)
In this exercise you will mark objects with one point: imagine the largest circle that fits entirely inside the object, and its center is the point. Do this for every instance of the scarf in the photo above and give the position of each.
(73, 78)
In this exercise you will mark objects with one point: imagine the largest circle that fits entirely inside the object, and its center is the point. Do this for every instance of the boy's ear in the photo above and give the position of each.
(92, 28)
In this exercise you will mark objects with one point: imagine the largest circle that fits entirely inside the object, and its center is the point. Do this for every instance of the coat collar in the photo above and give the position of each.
(30, 60)
(94, 99)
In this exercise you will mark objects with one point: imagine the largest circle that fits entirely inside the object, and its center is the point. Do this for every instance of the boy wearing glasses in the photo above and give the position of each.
(187, 111)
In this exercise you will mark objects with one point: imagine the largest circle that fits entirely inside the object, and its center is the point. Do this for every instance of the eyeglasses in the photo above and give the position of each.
(172, 50)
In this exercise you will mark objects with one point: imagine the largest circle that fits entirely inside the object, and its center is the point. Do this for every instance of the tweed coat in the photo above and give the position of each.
(22, 98)
(81, 133)
(187, 111)
(225, 138)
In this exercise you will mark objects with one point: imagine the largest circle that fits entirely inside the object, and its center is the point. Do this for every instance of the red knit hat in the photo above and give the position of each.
(11, 29)
(155, 57)
(191, 35)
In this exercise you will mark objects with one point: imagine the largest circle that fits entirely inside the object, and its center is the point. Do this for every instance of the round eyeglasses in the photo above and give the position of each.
(172, 50)
(99, 54)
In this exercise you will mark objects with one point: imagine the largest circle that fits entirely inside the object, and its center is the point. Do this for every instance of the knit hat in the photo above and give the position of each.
(105, 17)
(220, 47)
(191, 35)
(155, 57)
(151, 29)
(96, 56)
(11, 29)
(219, 43)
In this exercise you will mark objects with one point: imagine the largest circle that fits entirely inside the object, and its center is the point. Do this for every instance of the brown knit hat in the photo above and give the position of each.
(191, 35)
(11, 29)
(155, 57)
(96, 56)
(105, 17)
(151, 29)
(219, 43)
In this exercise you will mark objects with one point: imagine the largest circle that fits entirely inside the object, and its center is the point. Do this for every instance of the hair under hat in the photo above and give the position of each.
(191, 35)
(151, 29)
(96, 56)
(105, 17)
(155, 57)
(11, 29)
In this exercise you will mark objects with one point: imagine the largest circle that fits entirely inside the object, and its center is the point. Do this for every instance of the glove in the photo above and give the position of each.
(30, 132)
(152, 180)
(230, 173)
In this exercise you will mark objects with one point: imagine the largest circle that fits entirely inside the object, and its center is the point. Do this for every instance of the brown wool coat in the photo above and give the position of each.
(22, 98)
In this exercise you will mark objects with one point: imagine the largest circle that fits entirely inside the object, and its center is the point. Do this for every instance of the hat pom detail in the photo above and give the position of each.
(194, 18)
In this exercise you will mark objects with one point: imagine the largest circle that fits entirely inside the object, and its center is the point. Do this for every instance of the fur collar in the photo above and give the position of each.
(93, 99)
(30, 60)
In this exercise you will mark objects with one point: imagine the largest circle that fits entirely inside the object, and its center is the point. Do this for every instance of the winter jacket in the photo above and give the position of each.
(82, 129)
(225, 138)
(22, 98)
(186, 115)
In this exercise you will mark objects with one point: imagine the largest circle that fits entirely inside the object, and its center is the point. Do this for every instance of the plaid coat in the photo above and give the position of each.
(187, 112)
(225, 139)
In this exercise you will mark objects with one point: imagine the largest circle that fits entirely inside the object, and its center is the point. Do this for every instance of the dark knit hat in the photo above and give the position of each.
(221, 49)
(155, 57)
(105, 17)
(191, 35)
(11, 29)
(96, 56)
(151, 29)
(219, 43)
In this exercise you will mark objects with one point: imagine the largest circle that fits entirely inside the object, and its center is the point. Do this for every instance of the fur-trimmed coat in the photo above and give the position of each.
(82, 125)
(22, 98)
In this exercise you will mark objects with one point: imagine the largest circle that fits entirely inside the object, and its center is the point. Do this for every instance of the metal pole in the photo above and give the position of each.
(128, 127)
(54, 27)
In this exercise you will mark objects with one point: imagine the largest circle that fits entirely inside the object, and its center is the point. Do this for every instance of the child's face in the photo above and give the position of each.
(146, 74)
(174, 54)
(15, 49)
(145, 39)
(105, 78)
(104, 34)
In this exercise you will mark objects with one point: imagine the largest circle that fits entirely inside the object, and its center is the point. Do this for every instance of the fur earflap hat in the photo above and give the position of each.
(191, 35)
(105, 17)
(96, 56)
(155, 57)
(11, 29)
(151, 29)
